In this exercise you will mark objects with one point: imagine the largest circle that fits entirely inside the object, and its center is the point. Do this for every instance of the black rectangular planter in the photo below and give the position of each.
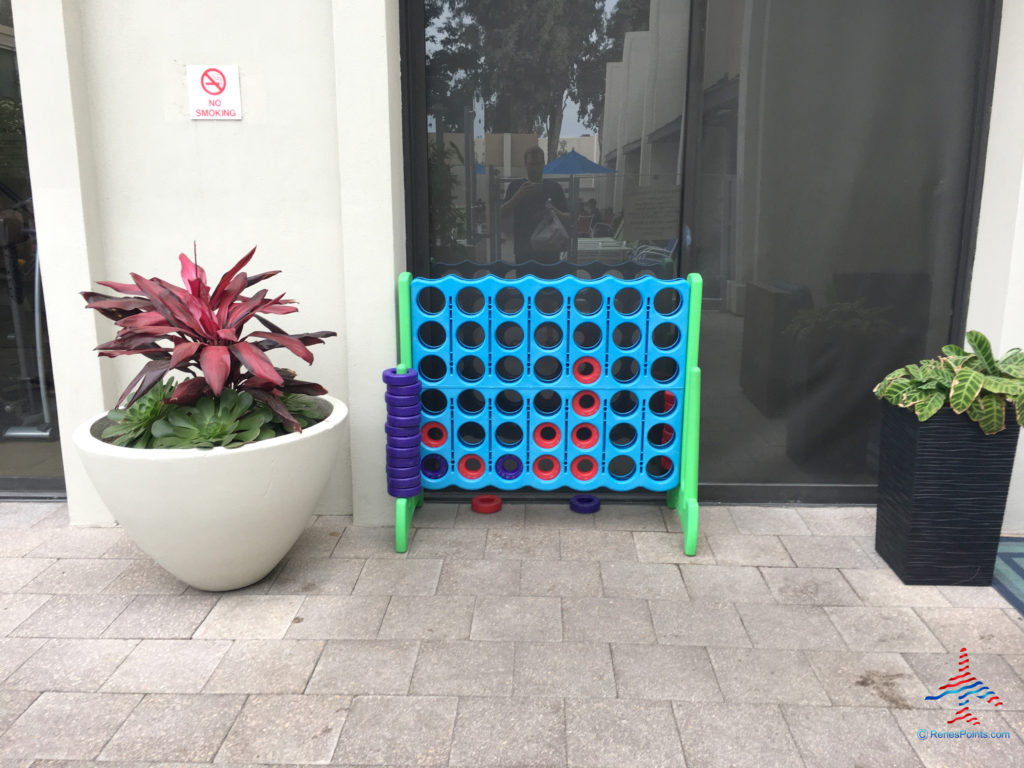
(942, 487)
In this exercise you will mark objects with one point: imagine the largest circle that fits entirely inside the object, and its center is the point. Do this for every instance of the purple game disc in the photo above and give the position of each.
(403, 453)
(400, 430)
(408, 469)
(403, 492)
(402, 411)
(584, 503)
(437, 472)
(405, 421)
(392, 379)
(399, 441)
(508, 467)
(395, 399)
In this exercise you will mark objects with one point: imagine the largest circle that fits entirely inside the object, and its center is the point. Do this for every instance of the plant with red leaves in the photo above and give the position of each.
(204, 331)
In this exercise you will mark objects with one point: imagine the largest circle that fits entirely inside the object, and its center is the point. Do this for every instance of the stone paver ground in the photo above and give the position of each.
(533, 637)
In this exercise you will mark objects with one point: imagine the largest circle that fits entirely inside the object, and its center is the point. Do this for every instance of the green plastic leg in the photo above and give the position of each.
(690, 527)
(403, 518)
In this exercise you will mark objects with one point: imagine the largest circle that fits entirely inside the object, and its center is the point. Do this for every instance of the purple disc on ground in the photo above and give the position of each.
(395, 399)
(403, 410)
(584, 503)
(508, 467)
(434, 466)
(392, 378)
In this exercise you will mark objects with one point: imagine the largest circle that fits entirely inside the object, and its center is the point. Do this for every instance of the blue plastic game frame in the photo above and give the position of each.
(547, 384)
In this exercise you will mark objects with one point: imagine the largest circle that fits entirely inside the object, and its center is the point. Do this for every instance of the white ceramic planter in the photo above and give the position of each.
(217, 519)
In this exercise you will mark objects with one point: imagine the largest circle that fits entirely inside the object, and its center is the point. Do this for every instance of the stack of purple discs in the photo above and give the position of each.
(403, 430)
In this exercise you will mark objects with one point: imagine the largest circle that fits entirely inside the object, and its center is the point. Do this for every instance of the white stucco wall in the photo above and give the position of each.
(636, 55)
(670, 28)
(997, 284)
(123, 181)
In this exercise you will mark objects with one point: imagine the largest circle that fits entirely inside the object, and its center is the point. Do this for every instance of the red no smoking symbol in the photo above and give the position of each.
(213, 82)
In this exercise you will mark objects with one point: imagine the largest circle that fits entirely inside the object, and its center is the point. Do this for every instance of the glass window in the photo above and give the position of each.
(554, 136)
(831, 199)
(29, 452)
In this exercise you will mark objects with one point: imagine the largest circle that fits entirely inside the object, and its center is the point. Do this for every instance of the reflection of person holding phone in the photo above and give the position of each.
(526, 202)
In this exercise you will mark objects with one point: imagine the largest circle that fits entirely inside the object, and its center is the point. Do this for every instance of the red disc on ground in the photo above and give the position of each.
(486, 504)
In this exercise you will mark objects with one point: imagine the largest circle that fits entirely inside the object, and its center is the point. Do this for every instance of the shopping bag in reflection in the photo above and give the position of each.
(550, 235)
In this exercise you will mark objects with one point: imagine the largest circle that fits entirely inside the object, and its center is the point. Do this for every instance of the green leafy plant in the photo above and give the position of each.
(229, 421)
(974, 383)
(848, 317)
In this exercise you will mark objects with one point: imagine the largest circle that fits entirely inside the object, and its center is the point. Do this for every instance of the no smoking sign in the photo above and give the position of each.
(213, 92)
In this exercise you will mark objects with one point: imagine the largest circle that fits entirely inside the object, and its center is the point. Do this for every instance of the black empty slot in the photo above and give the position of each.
(471, 401)
(588, 301)
(509, 300)
(470, 335)
(547, 402)
(470, 300)
(431, 300)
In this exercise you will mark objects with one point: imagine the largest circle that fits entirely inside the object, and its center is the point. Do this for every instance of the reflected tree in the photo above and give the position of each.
(522, 59)
(587, 88)
(447, 219)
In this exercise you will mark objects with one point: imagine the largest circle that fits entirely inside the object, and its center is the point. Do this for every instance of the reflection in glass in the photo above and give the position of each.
(555, 136)
(29, 452)
(833, 157)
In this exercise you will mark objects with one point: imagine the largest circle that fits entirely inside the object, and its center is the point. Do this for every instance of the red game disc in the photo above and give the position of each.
(486, 504)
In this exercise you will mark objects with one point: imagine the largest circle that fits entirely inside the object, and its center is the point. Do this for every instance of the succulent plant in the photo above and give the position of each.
(305, 409)
(132, 426)
(973, 383)
(230, 421)
(199, 331)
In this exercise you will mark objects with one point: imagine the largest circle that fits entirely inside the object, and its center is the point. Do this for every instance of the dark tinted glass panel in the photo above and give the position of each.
(30, 457)
(554, 136)
(832, 174)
